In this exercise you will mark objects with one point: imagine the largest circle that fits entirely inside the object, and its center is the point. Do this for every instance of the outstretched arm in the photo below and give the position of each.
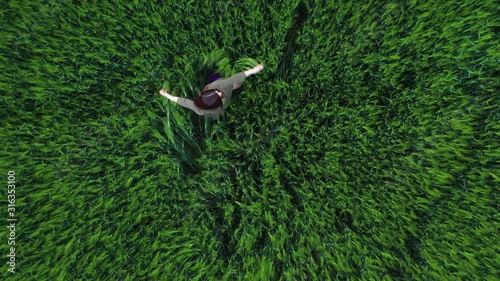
(168, 96)
(187, 103)
(235, 79)
(254, 70)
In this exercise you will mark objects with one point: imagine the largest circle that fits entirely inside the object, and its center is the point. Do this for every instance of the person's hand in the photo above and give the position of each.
(168, 96)
(254, 70)
(164, 93)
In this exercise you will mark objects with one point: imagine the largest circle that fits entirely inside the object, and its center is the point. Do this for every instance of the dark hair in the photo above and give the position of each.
(208, 100)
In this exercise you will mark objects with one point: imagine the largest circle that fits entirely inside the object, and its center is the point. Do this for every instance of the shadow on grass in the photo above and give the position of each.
(187, 133)
(285, 64)
(193, 145)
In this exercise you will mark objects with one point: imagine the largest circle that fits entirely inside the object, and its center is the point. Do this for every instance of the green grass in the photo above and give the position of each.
(367, 149)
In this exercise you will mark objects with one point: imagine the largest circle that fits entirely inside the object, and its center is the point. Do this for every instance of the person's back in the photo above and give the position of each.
(216, 95)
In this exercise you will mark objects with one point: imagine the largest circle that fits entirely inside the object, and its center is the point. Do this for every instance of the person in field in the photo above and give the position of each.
(215, 96)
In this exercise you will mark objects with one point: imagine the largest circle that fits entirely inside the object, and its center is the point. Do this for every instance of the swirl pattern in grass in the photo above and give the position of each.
(367, 149)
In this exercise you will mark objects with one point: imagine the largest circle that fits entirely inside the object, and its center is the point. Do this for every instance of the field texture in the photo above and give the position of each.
(367, 149)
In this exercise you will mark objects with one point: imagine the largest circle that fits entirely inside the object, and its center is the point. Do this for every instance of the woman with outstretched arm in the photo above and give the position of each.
(215, 96)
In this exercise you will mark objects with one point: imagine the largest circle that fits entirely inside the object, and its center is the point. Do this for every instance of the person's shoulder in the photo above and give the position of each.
(216, 84)
(199, 111)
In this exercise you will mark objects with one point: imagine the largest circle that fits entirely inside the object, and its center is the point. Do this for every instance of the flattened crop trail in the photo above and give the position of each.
(291, 42)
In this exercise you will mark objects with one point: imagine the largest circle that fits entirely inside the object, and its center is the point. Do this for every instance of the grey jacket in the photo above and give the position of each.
(223, 85)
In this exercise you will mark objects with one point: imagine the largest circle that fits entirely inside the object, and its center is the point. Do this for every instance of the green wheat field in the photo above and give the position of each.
(367, 149)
